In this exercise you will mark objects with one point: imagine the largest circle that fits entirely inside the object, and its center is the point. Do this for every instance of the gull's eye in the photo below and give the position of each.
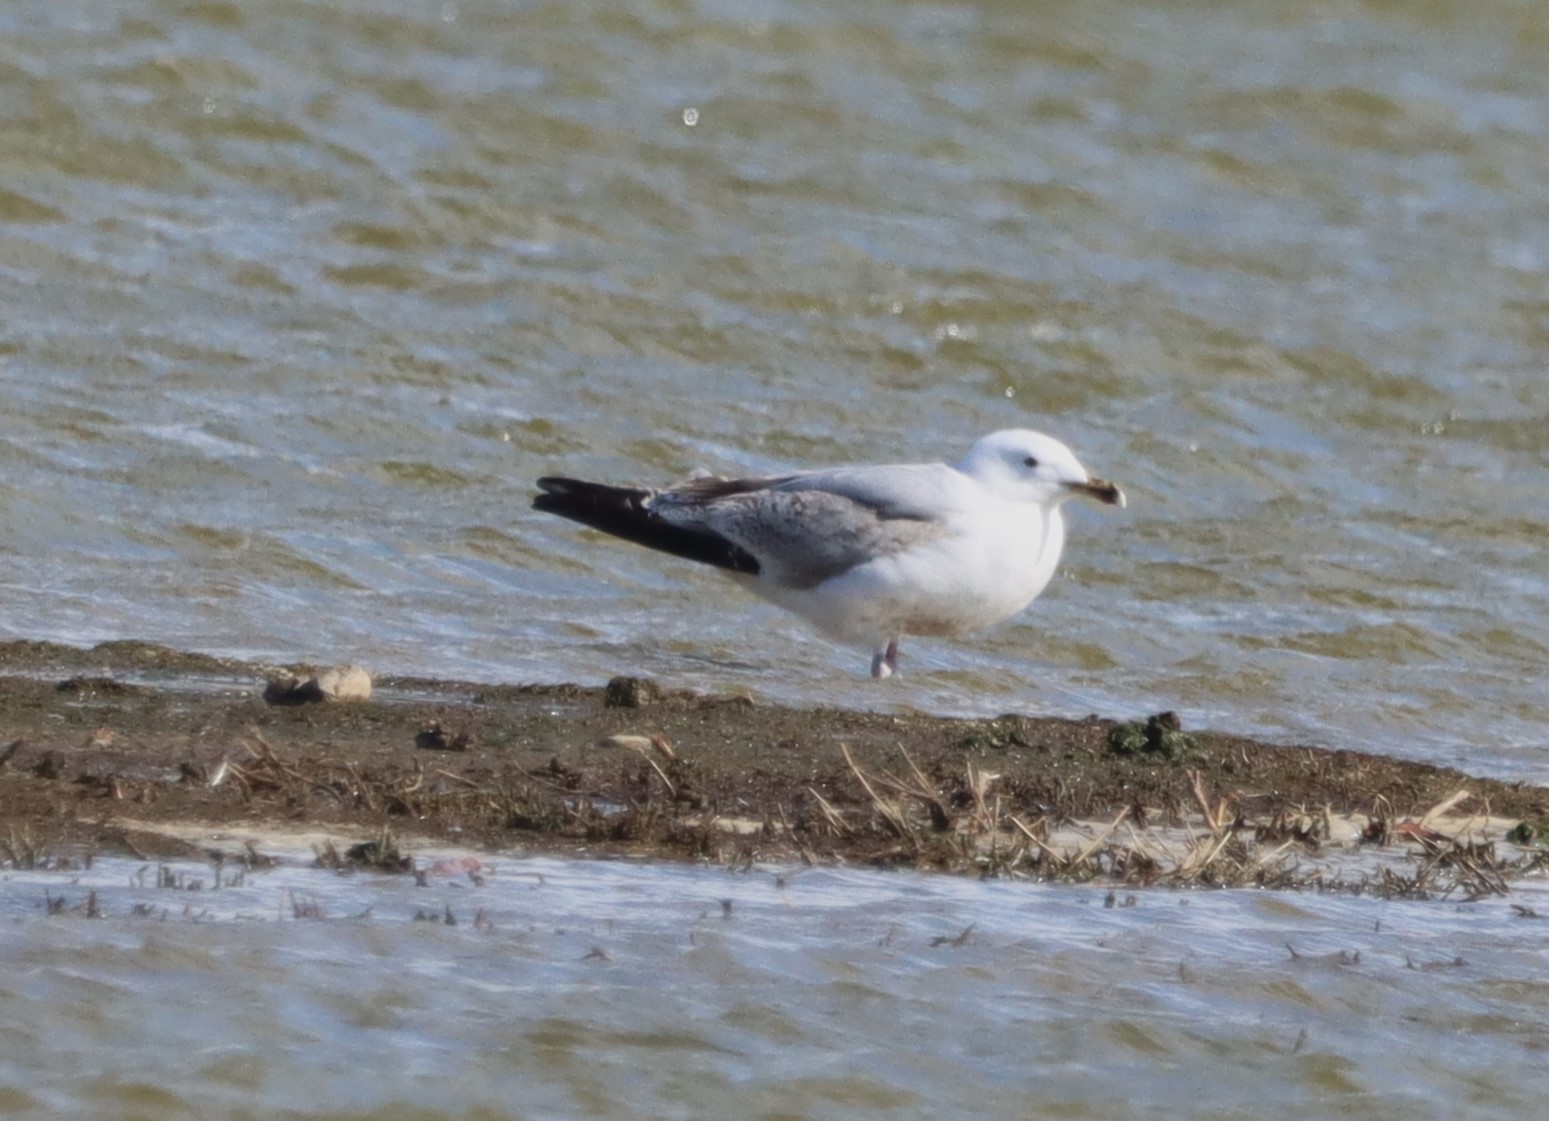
(1031, 461)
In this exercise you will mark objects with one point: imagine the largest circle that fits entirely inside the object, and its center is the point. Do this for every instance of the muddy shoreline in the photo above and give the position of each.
(134, 747)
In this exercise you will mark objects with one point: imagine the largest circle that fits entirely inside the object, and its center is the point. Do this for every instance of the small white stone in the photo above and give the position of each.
(346, 683)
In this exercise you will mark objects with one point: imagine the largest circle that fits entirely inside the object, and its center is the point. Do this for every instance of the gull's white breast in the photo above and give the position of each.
(985, 565)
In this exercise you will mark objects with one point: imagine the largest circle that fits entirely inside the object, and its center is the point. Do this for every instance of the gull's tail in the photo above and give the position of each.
(625, 512)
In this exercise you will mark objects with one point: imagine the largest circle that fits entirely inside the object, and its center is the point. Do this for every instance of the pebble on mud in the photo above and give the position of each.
(436, 738)
(345, 683)
(631, 692)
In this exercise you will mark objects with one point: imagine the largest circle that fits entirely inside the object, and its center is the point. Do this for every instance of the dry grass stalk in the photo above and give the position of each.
(1218, 815)
(1101, 839)
(986, 817)
(672, 790)
(890, 811)
(1444, 807)
(21, 850)
(1034, 839)
(831, 814)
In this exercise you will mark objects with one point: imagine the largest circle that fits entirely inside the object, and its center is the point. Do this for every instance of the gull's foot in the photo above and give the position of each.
(884, 663)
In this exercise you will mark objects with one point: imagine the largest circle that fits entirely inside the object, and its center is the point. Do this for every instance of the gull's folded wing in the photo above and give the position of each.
(625, 512)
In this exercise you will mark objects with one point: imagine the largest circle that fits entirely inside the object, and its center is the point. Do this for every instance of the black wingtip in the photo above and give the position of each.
(622, 512)
(558, 484)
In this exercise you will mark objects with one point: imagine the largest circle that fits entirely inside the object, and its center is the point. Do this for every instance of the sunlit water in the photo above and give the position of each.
(607, 990)
(300, 297)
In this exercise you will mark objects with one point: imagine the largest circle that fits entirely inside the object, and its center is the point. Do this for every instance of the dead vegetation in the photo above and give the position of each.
(1220, 846)
(955, 816)
(636, 770)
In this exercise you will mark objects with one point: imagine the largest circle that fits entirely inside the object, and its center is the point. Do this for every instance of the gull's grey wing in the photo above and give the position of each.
(922, 492)
(807, 528)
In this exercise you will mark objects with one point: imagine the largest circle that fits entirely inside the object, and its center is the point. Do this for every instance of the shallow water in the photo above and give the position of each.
(573, 989)
(299, 298)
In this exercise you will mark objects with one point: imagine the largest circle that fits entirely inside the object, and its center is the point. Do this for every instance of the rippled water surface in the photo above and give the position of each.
(603, 990)
(299, 298)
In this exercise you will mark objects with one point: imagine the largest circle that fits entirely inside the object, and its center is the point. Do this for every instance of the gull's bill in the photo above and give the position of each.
(1103, 491)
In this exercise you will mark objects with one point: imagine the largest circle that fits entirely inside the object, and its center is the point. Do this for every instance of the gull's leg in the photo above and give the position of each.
(884, 662)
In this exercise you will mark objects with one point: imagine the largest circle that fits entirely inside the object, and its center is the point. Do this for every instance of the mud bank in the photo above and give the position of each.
(135, 747)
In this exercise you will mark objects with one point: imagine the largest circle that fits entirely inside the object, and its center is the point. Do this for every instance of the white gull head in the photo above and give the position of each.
(1024, 466)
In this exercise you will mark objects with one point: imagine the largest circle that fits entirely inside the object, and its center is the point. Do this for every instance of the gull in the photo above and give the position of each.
(867, 554)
